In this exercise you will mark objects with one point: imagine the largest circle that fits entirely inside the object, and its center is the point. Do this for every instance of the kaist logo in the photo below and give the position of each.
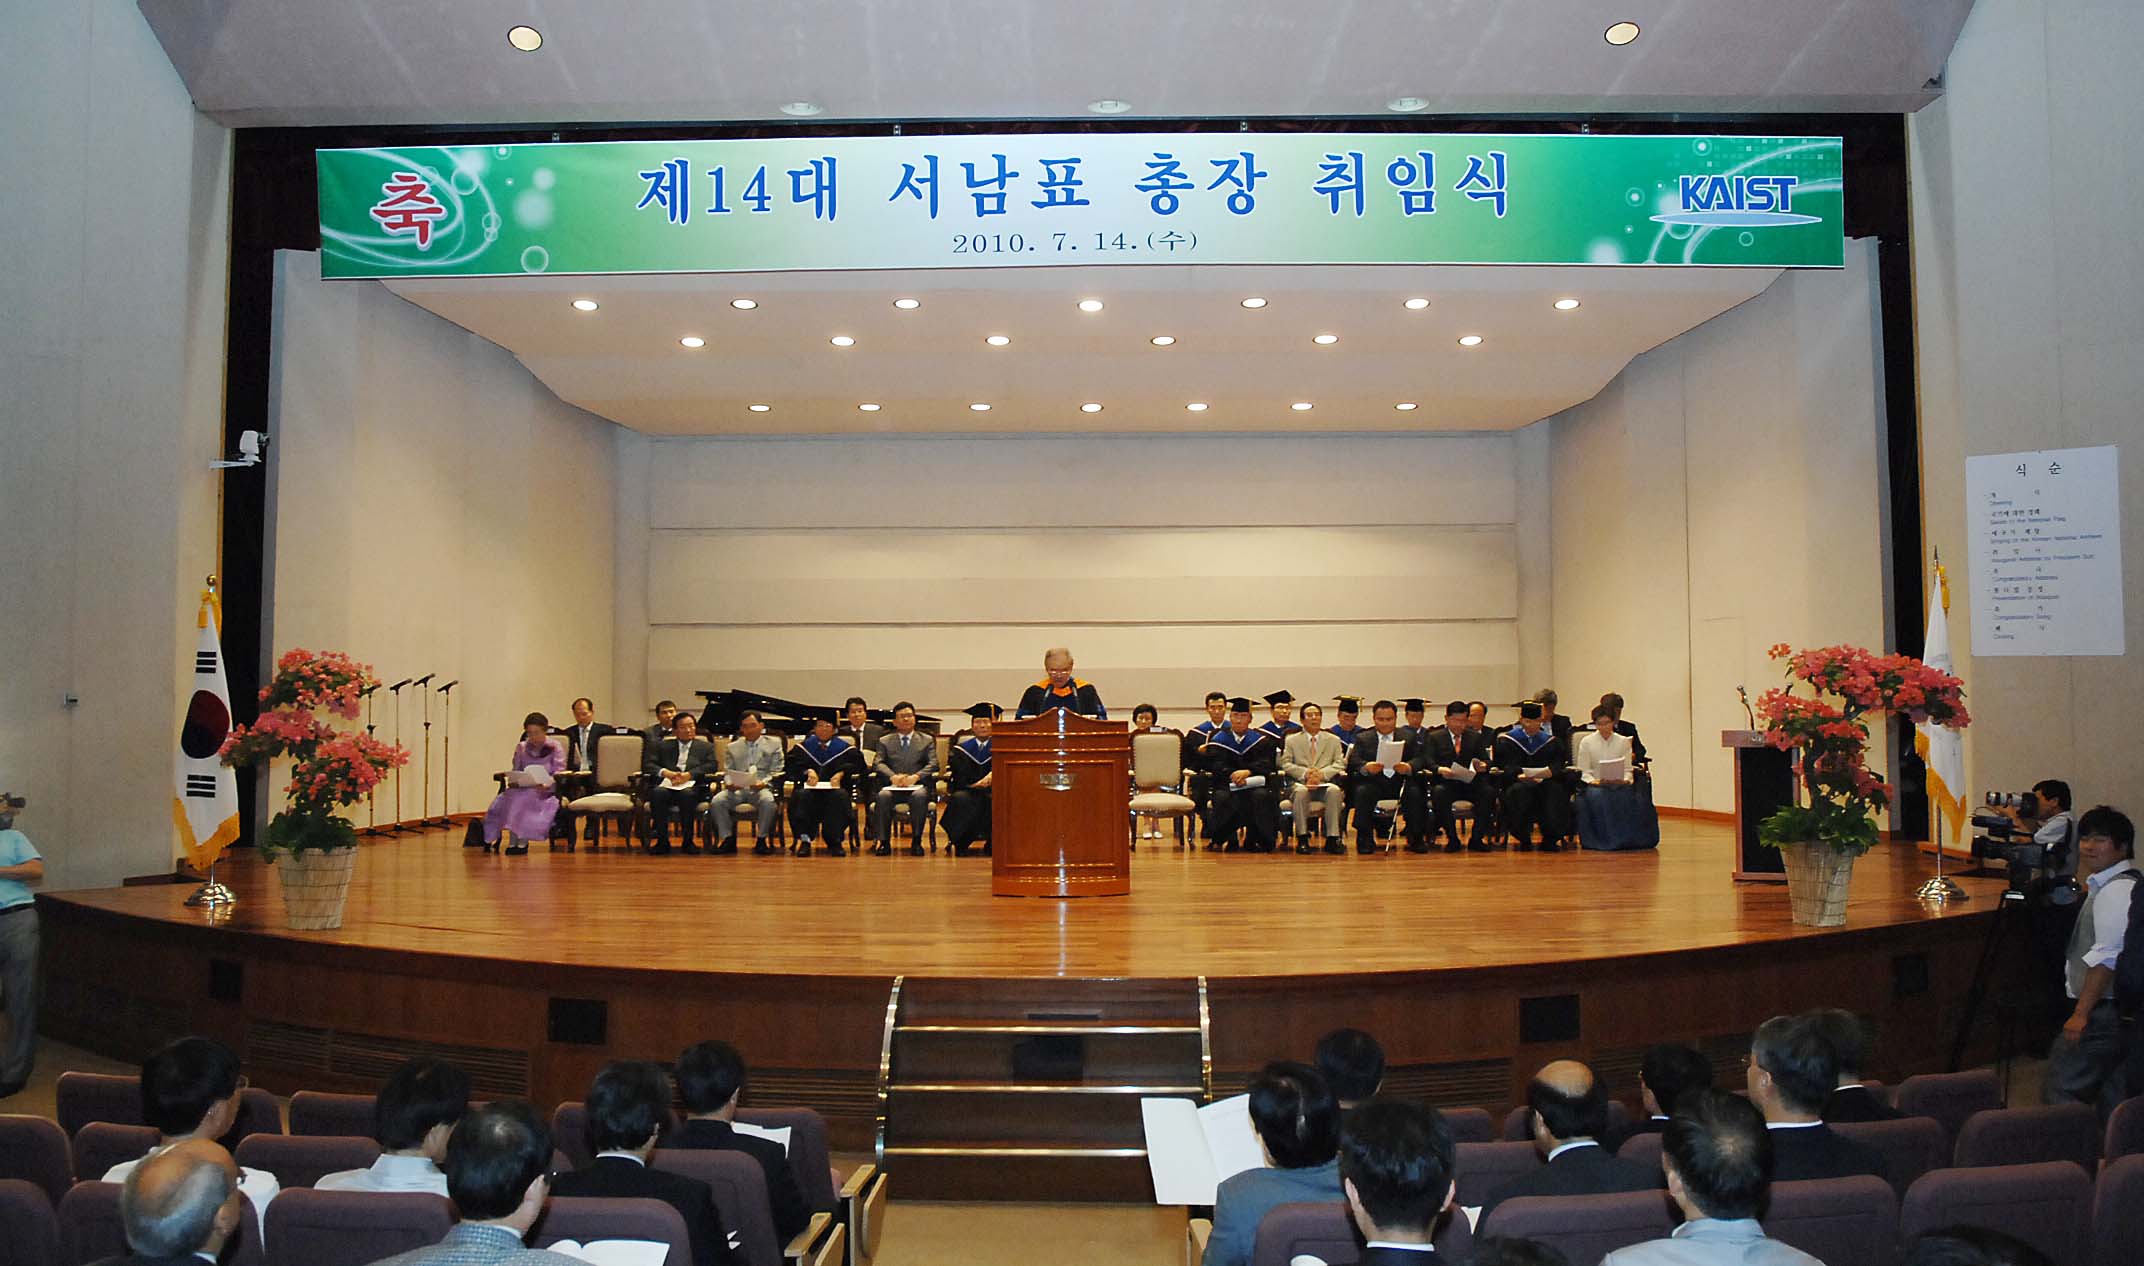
(1736, 202)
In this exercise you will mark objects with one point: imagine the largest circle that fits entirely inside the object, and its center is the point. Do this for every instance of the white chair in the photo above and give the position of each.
(617, 793)
(1158, 779)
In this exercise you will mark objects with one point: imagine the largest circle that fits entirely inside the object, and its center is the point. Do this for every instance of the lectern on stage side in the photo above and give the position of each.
(1764, 784)
(1060, 822)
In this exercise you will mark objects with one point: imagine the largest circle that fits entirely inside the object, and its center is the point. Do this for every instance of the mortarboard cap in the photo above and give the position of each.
(1412, 705)
(1529, 711)
(1349, 703)
(990, 710)
(1239, 704)
(1280, 696)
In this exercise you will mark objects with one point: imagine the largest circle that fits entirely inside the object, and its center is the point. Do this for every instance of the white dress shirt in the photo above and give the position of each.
(389, 1173)
(258, 1185)
(1593, 749)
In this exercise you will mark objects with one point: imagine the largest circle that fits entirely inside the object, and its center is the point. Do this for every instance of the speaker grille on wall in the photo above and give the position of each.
(1470, 1084)
(1909, 976)
(1549, 1019)
(579, 1021)
(226, 979)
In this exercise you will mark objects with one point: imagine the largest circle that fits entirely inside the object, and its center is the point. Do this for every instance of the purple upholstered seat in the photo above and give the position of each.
(1470, 1125)
(2118, 1212)
(586, 1218)
(1911, 1146)
(1838, 1221)
(29, 1230)
(82, 1098)
(1518, 1125)
(740, 1188)
(316, 1112)
(1584, 1228)
(1643, 1149)
(1324, 1231)
(351, 1228)
(90, 1229)
(1481, 1169)
(2047, 1205)
(35, 1150)
(1950, 1097)
(2125, 1129)
(809, 1158)
(2023, 1136)
(103, 1144)
(298, 1161)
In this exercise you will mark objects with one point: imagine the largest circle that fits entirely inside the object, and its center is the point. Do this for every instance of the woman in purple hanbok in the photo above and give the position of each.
(525, 813)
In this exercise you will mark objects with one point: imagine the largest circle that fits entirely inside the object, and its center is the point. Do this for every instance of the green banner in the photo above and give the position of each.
(1089, 198)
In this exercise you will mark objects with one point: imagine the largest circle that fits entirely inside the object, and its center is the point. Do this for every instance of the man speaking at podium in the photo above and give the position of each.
(1060, 689)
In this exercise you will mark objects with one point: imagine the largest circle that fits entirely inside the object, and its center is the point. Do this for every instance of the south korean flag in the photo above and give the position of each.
(205, 808)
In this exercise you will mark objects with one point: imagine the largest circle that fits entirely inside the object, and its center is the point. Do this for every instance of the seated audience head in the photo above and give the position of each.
(1509, 1250)
(2105, 836)
(1384, 715)
(686, 726)
(1603, 720)
(1848, 1038)
(1396, 1163)
(665, 713)
(982, 718)
(751, 725)
(1217, 707)
(1717, 1156)
(190, 1088)
(1295, 1115)
(1547, 699)
(1530, 717)
(710, 1079)
(1455, 715)
(1614, 703)
(628, 1106)
(857, 711)
(1144, 716)
(1280, 705)
(1312, 717)
(1667, 1072)
(1348, 708)
(536, 728)
(1352, 1063)
(1477, 714)
(1567, 1102)
(1415, 709)
(1972, 1246)
(1792, 1069)
(584, 710)
(904, 717)
(823, 728)
(1239, 714)
(497, 1158)
(419, 1107)
(181, 1202)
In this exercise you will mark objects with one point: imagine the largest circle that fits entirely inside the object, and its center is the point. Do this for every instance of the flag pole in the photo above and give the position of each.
(1940, 890)
(212, 894)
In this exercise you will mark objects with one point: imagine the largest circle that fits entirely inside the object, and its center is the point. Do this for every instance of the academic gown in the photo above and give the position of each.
(967, 806)
(1524, 804)
(1195, 757)
(1080, 696)
(1253, 810)
(827, 814)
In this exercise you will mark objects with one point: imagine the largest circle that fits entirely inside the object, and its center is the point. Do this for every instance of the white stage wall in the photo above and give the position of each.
(435, 509)
(1722, 494)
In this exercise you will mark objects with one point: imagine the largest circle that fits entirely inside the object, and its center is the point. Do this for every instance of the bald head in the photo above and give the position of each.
(1567, 1103)
(1566, 1076)
(181, 1200)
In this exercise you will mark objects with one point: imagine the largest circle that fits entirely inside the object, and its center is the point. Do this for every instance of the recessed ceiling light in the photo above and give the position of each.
(1254, 302)
(1109, 105)
(1302, 406)
(1470, 340)
(1566, 305)
(692, 340)
(744, 305)
(1621, 33)
(1416, 305)
(1406, 406)
(998, 340)
(979, 407)
(802, 109)
(526, 38)
(1090, 407)
(868, 408)
(1162, 340)
(1325, 340)
(1090, 305)
(1407, 105)
(1197, 406)
(908, 305)
(842, 340)
(586, 305)
(759, 408)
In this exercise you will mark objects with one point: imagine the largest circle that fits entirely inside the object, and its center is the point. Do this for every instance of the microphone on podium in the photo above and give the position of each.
(1744, 692)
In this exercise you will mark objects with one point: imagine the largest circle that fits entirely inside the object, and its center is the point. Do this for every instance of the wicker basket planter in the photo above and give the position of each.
(1817, 882)
(316, 883)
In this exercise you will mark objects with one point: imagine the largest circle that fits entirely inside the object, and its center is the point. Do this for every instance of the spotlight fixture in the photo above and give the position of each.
(744, 305)
(1090, 407)
(1407, 105)
(802, 109)
(979, 407)
(526, 38)
(1162, 340)
(1621, 33)
(1566, 305)
(842, 340)
(1302, 406)
(1254, 302)
(1406, 406)
(1325, 340)
(1470, 340)
(759, 408)
(1108, 105)
(586, 305)
(868, 407)
(1196, 406)
(998, 340)
(1417, 304)
(908, 305)
(1090, 305)
(692, 340)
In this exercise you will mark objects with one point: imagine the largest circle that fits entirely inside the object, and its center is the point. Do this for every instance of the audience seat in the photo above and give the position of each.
(1518, 1123)
(1158, 780)
(2023, 1136)
(740, 1188)
(2118, 1212)
(2125, 1129)
(298, 1161)
(317, 1113)
(90, 1229)
(617, 792)
(1481, 1168)
(1584, 1228)
(1470, 1125)
(1643, 1149)
(1323, 1230)
(351, 1228)
(809, 1157)
(586, 1218)
(1838, 1221)
(35, 1151)
(1911, 1146)
(1950, 1097)
(103, 1144)
(569, 1132)
(82, 1098)
(2047, 1205)
(29, 1230)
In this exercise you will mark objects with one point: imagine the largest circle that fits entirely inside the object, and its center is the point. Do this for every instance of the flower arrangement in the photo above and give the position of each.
(1843, 795)
(330, 768)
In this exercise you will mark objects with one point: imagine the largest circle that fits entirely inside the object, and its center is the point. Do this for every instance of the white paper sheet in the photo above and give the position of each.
(1614, 769)
(531, 776)
(1390, 752)
(1535, 771)
(819, 786)
(739, 779)
(615, 1252)
(1458, 773)
(1190, 1150)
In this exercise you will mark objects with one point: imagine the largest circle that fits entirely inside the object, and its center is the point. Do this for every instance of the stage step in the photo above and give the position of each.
(1021, 1173)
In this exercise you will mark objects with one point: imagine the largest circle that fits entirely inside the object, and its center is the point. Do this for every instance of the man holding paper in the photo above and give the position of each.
(749, 770)
(1532, 762)
(678, 773)
(907, 763)
(820, 770)
(1454, 757)
(1381, 765)
(1243, 768)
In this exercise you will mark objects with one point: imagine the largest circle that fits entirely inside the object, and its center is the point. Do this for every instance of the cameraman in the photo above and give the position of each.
(2084, 1064)
(20, 867)
(2052, 826)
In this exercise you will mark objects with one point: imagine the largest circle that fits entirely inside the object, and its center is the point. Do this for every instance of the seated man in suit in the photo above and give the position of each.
(821, 770)
(1195, 755)
(497, 1161)
(1298, 1122)
(665, 727)
(190, 1089)
(1315, 762)
(1396, 1167)
(1557, 723)
(1718, 1166)
(1666, 1073)
(581, 739)
(967, 806)
(858, 727)
(414, 1113)
(907, 767)
(677, 774)
(1352, 1063)
(1376, 777)
(1570, 1113)
(1454, 760)
(179, 1207)
(1243, 766)
(710, 1079)
(1851, 1101)
(755, 757)
(1531, 763)
(1060, 689)
(628, 1106)
(1792, 1072)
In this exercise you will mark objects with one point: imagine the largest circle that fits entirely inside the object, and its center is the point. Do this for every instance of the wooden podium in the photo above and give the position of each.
(1060, 822)
(1764, 783)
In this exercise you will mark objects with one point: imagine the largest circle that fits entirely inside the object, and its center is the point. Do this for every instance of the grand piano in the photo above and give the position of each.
(786, 717)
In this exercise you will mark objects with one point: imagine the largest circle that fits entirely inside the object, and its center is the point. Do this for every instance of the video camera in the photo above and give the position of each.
(2031, 871)
(12, 802)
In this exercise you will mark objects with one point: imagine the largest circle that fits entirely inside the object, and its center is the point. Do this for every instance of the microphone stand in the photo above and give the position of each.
(371, 824)
(446, 750)
(396, 690)
(424, 802)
